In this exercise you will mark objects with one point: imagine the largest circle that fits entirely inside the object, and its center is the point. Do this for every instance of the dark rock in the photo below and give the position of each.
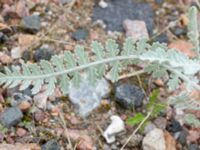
(43, 52)
(11, 116)
(129, 96)
(26, 55)
(3, 38)
(182, 138)
(178, 31)
(120, 10)
(31, 23)
(162, 38)
(193, 147)
(50, 145)
(174, 126)
(80, 34)
(159, 2)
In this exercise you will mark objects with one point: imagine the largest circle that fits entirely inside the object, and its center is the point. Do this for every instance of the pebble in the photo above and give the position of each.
(103, 4)
(87, 97)
(149, 127)
(178, 31)
(173, 126)
(16, 52)
(117, 11)
(51, 145)
(11, 116)
(39, 115)
(80, 34)
(160, 122)
(184, 47)
(162, 38)
(129, 96)
(3, 38)
(154, 136)
(193, 147)
(19, 98)
(135, 29)
(182, 138)
(44, 52)
(26, 55)
(24, 106)
(31, 23)
(134, 141)
(21, 132)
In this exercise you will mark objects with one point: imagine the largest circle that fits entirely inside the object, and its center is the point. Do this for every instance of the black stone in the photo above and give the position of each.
(182, 138)
(11, 116)
(80, 34)
(178, 31)
(31, 23)
(43, 53)
(120, 10)
(26, 55)
(193, 147)
(129, 96)
(174, 126)
(162, 38)
(51, 145)
(3, 38)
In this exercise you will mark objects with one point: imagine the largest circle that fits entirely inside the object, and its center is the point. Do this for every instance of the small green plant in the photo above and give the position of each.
(154, 106)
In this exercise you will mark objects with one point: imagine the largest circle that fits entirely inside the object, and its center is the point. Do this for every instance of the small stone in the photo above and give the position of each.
(173, 126)
(149, 127)
(134, 141)
(24, 106)
(103, 4)
(16, 53)
(39, 116)
(44, 52)
(193, 136)
(87, 97)
(31, 23)
(51, 145)
(154, 136)
(19, 146)
(18, 98)
(11, 116)
(129, 96)
(193, 147)
(182, 138)
(5, 59)
(80, 34)
(3, 38)
(21, 132)
(159, 82)
(162, 38)
(160, 122)
(136, 29)
(184, 47)
(40, 100)
(178, 31)
(26, 56)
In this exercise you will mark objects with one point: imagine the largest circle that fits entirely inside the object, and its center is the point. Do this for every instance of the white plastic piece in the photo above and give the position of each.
(103, 4)
(116, 126)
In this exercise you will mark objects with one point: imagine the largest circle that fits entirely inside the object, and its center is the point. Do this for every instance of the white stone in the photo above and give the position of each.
(116, 126)
(16, 53)
(87, 97)
(103, 4)
(154, 140)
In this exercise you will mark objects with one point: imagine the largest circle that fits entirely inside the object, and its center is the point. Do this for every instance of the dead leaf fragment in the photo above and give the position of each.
(169, 141)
